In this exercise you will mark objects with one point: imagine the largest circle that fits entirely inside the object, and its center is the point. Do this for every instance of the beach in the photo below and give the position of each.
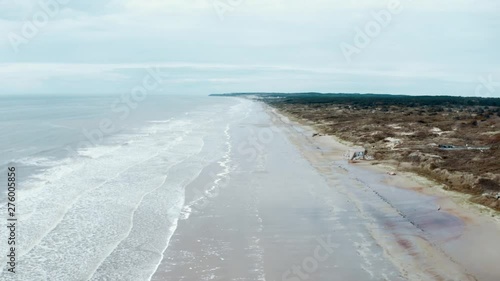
(294, 209)
(229, 189)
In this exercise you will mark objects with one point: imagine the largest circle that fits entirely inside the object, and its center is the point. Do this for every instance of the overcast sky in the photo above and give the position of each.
(213, 46)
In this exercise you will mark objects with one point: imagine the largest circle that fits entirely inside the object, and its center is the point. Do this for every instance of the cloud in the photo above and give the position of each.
(19, 77)
(258, 6)
(107, 43)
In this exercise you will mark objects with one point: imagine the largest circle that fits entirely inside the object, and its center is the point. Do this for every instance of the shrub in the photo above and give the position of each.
(487, 184)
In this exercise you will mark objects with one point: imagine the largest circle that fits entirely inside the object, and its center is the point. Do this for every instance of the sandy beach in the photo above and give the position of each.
(290, 207)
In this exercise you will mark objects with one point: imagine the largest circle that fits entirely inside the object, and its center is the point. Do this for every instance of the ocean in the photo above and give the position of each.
(101, 179)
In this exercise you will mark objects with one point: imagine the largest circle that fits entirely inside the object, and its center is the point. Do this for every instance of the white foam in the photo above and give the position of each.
(98, 151)
(225, 164)
(34, 161)
(112, 209)
(150, 229)
(161, 121)
(68, 198)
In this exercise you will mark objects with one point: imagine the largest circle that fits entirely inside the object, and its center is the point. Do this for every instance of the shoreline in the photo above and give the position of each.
(467, 246)
(402, 177)
(454, 142)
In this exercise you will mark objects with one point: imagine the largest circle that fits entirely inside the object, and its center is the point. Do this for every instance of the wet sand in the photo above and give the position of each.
(293, 209)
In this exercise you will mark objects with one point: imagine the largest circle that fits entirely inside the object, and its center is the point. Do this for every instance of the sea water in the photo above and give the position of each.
(101, 180)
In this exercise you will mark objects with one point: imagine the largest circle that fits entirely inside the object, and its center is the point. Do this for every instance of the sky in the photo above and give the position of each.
(416, 47)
